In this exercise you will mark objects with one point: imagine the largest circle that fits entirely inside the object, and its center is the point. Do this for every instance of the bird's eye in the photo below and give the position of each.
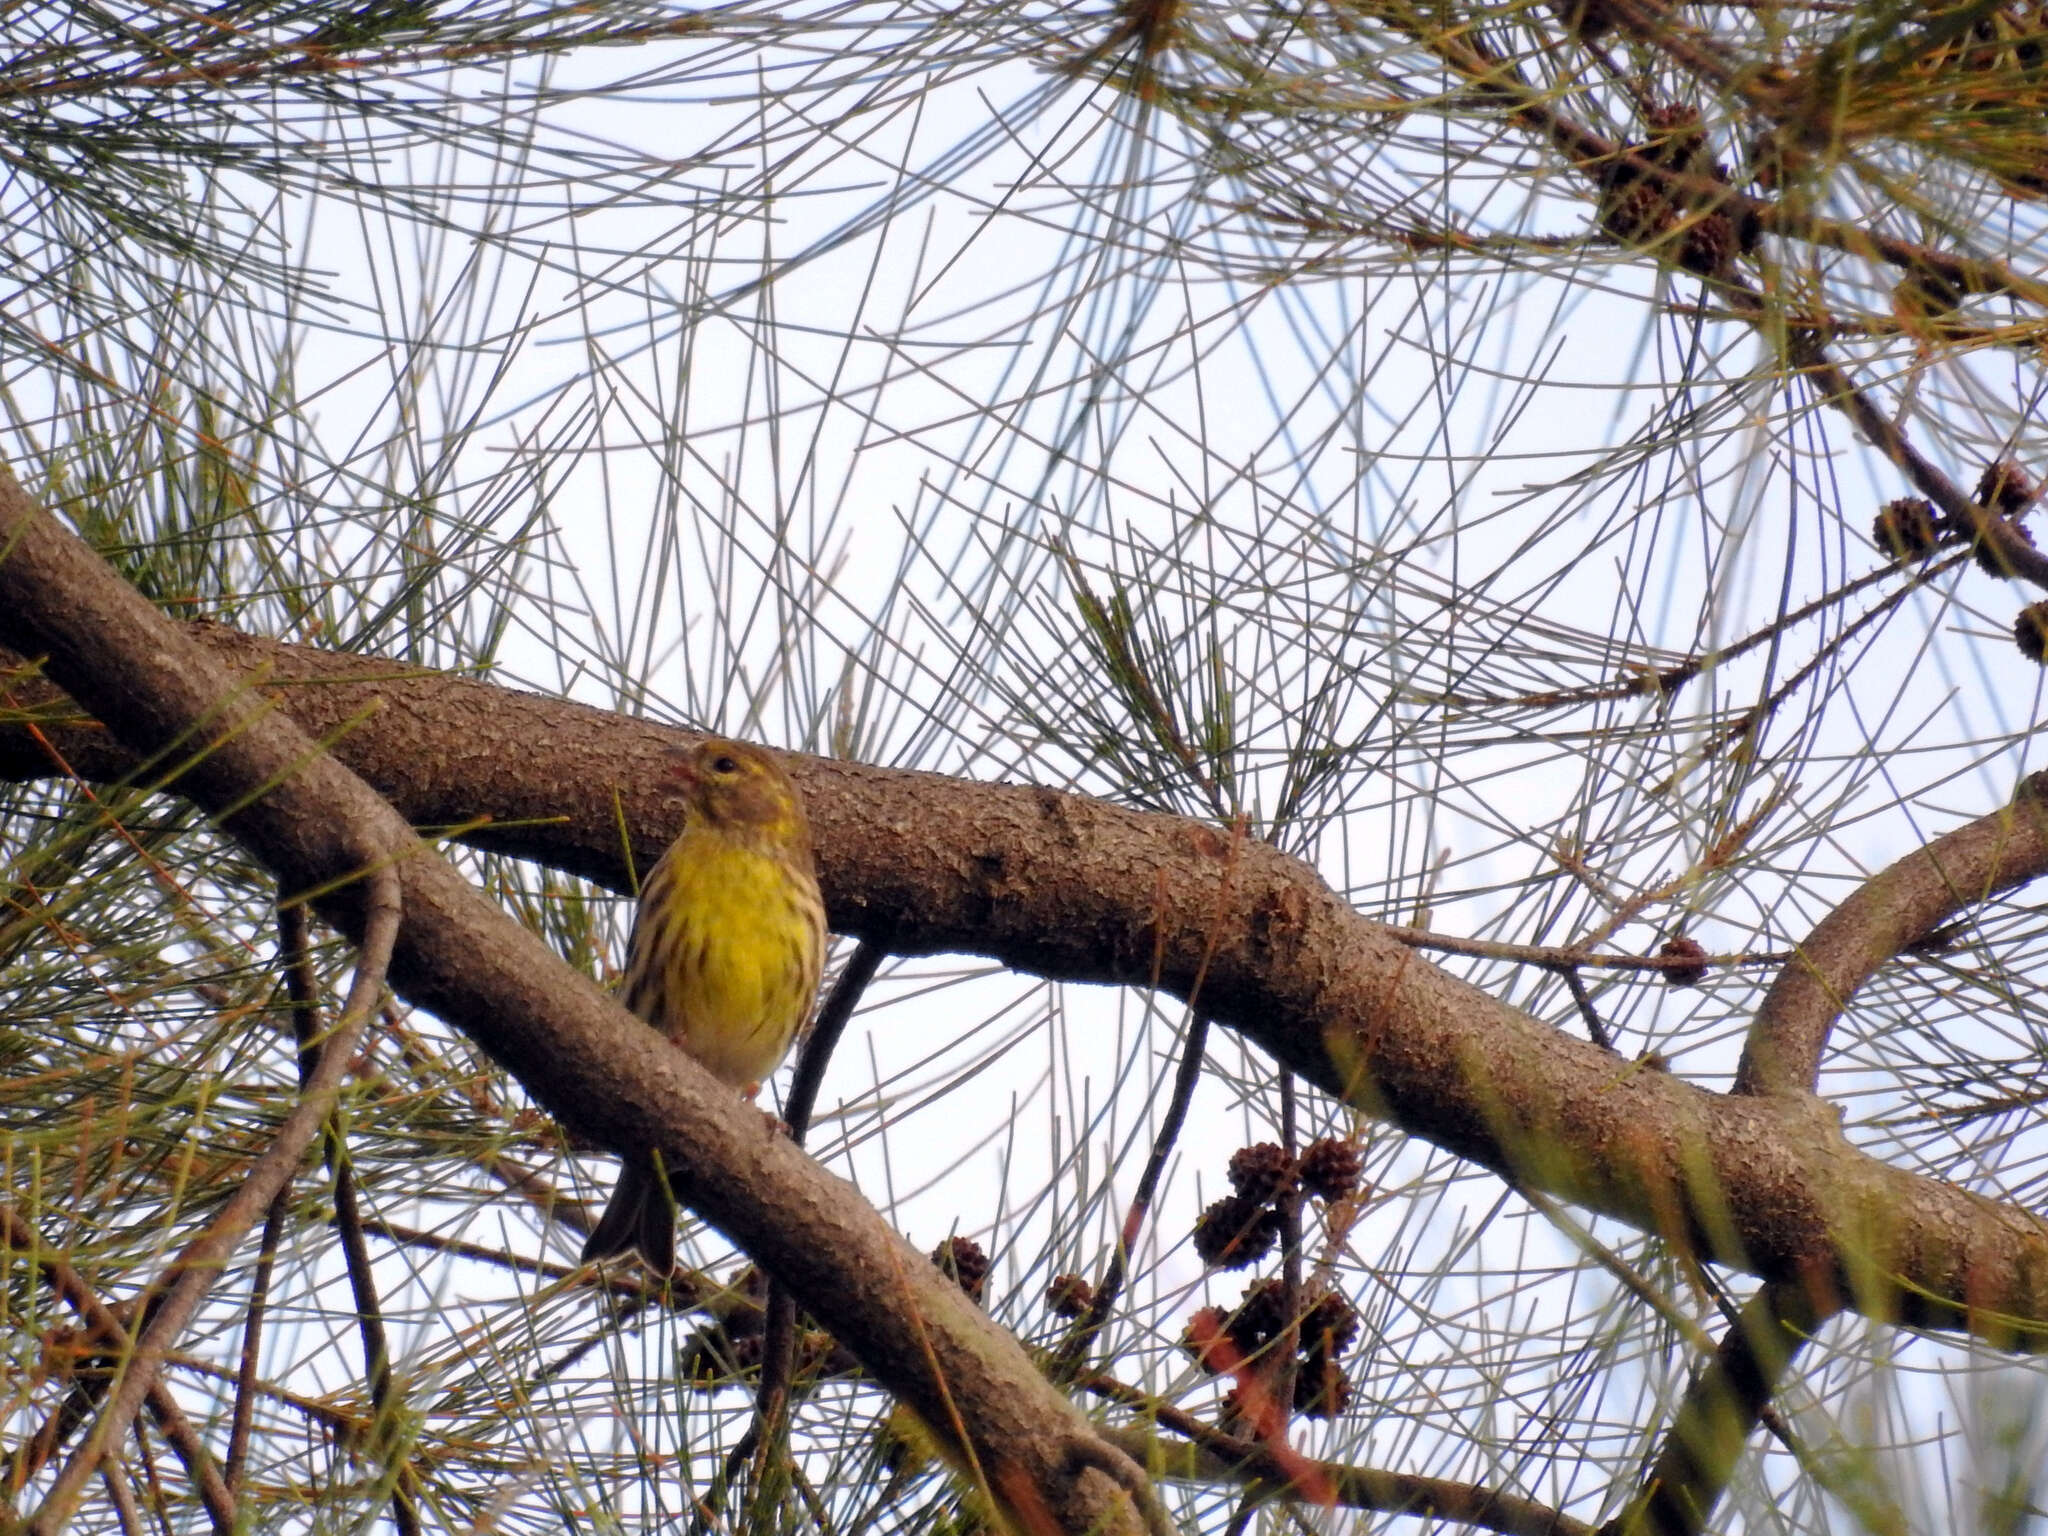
(724, 765)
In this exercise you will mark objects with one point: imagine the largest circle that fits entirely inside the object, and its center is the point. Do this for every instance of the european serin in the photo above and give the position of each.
(727, 946)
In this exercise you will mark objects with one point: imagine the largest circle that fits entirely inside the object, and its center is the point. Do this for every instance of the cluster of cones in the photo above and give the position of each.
(1233, 1233)
(1241, 1228)
(1249, 1340)
(1662, 194)
(1911, 529)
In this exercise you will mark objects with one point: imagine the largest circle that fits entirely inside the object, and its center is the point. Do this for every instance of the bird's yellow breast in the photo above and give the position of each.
(731, 974)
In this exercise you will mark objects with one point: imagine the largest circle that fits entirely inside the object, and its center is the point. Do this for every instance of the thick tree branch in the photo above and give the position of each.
(1887, 914)
(1075, 889)
(169, 698)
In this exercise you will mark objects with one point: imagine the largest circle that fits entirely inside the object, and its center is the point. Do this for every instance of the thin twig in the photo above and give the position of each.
(778, 1338)
(121, 1494)
(176, 1428)
(1651, 682)
(1595, 1030)
(1192, 1051)
(823, 1039)
(1285, 1359)
(1241, 1517)
(293, 934)
(178, 1292)
(246, 1376)
(1074, 1347)
(616, 1322)
(1752, 718)
(821, 1517)
(159, 1501)
(1561, 957)
(107, 1329)
(1211, 1456)
(2007, 545)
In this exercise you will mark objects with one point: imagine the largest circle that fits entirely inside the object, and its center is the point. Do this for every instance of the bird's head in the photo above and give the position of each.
(739, 790)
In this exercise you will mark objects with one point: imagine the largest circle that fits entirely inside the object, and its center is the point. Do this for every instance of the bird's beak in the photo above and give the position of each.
(684, 771)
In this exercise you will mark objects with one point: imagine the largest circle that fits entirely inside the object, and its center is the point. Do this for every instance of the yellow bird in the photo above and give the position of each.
(726, 951)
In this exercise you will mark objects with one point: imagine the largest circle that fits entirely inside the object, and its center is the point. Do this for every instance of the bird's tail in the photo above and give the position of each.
(639, 1217)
